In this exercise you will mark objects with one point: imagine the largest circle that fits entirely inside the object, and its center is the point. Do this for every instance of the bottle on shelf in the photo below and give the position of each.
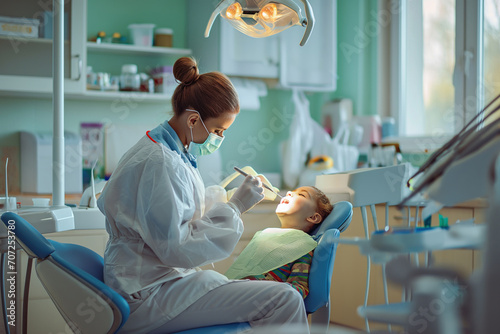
(130, 80)
(116, 38)
(101, 35)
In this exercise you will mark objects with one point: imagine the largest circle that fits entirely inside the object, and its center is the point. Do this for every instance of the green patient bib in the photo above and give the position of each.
(270, 249)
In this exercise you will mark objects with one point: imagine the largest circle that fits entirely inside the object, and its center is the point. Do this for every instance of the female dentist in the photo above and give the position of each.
(160, 230)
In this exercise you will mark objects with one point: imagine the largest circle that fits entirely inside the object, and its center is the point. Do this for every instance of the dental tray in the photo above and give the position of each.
(421, 239)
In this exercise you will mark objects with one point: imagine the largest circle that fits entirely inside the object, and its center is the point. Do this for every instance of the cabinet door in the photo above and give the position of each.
(243, 55)
(311, 67)
(26, 62)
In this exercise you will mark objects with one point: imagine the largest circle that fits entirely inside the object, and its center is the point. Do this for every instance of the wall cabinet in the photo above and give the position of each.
(26, 63)
(310, 67)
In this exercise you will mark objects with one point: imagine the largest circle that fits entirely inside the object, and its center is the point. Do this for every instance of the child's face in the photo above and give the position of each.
(299, 203)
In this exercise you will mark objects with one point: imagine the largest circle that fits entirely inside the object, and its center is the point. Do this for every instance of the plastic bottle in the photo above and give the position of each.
(130, 80)
(101, 35)
(116, 38)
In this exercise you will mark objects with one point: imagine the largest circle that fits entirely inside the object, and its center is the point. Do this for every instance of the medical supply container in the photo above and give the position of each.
(20, 27)
(130, 80)
(141, 34)
(164, 80)
(164, 37)
(388, 127)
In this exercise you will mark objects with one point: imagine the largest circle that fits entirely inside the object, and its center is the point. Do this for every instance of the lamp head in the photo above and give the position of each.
(262, 18)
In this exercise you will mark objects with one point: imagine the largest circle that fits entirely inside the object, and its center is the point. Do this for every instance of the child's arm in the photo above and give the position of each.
(299, 274)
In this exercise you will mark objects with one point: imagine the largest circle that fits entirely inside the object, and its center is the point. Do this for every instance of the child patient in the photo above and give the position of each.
(299, 212)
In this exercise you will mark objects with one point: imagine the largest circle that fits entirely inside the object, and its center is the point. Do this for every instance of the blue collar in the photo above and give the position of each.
(167, 136)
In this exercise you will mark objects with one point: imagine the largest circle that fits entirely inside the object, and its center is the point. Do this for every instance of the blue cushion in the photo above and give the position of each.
(113, 296)
(218, 329)
(320, 275)
(32, 241)
(339, 218)
(81, 257)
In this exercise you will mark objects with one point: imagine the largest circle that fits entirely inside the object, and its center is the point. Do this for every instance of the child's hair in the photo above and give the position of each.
(323, 203)
(211, 94)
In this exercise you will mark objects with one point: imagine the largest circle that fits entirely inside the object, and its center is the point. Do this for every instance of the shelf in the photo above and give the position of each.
(94, 96)
(135, 96)
(134, 49)
(23, 39)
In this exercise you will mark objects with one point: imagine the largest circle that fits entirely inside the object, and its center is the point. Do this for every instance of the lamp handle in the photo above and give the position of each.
(309, 23)
(214, 15)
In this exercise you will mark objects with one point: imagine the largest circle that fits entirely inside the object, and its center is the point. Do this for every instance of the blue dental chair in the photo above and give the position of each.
(64, 268)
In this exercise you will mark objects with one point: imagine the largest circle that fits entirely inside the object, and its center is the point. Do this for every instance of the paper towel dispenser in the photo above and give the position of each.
(36, 163)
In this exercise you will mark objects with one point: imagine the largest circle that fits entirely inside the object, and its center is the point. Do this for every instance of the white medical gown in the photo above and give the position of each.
(159, 232)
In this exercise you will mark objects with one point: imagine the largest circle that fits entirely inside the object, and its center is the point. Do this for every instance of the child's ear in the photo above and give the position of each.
(314, 219)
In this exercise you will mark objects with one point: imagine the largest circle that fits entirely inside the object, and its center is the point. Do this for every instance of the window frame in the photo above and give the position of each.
(468, 70)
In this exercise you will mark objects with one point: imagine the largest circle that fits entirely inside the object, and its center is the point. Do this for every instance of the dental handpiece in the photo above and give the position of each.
(263, 184)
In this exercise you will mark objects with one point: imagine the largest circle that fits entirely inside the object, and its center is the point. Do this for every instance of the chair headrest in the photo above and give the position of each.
(32, 241)
(339, 218)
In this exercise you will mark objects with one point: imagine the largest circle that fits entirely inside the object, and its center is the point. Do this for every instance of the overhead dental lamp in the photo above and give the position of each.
(263, 18)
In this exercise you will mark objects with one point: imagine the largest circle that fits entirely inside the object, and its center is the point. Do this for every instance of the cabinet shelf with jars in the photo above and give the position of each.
(26, 59)
(109, 63)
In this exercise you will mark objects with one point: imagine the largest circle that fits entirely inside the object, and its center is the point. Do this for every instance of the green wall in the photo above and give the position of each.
(255, 137)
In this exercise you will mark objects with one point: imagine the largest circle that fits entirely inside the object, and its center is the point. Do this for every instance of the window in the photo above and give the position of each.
(491, 40)
(445, 58)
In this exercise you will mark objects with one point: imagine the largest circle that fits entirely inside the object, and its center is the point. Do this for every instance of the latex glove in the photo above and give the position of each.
(248, 194)
(268, 195)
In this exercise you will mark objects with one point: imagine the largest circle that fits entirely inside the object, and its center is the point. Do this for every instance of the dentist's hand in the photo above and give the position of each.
(248, 194)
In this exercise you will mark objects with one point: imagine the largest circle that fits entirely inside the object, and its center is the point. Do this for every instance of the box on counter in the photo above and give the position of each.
(36, 162)
(19, 27)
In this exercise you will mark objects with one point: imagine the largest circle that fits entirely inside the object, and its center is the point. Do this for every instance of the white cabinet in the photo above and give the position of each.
(26, 63)
(241, 55)
(310, 67)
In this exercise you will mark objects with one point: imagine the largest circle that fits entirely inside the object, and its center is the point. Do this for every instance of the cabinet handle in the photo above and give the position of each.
(80, 67)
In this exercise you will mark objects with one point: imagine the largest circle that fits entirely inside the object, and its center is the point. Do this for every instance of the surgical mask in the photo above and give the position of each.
(210, 145)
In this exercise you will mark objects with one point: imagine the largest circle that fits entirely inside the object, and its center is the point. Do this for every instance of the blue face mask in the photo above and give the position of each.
(210, 145)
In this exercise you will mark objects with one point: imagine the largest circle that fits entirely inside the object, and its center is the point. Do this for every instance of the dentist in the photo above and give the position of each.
(160, 230)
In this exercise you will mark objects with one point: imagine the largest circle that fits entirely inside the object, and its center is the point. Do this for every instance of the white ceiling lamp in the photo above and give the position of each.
(263, 18)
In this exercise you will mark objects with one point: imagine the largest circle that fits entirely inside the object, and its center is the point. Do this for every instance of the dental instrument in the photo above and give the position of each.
(263, 184)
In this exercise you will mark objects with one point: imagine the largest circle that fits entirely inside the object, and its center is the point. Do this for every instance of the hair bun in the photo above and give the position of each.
(186, 71)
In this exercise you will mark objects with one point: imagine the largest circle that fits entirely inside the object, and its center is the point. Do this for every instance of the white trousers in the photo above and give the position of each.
(261, 303)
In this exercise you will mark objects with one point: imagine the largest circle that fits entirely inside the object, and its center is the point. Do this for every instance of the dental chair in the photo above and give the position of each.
(71, 274)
